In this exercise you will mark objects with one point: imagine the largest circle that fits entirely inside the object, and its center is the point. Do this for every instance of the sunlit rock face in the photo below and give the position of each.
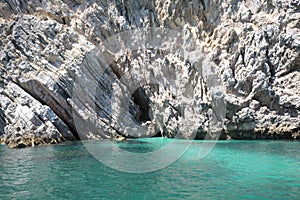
(228, 69)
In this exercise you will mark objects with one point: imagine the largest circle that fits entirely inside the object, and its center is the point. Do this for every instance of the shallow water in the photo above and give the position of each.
(232, 170)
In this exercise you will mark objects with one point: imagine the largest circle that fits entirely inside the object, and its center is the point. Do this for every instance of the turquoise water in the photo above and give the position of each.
(232, 170)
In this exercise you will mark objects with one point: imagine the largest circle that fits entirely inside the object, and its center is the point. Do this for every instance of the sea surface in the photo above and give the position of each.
(232, 170)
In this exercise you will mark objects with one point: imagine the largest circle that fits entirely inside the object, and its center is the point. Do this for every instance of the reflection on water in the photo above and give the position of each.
(233, 170)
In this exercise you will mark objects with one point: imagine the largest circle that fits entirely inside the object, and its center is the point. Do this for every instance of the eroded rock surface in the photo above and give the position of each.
(252, 47)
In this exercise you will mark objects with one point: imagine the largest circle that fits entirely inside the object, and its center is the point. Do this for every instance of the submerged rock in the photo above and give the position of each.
(46, 46)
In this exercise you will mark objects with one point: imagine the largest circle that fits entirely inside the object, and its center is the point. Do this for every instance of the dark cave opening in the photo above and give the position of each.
(140, 99)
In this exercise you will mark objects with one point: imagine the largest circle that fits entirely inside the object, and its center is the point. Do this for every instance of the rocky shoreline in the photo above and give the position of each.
(253, 47)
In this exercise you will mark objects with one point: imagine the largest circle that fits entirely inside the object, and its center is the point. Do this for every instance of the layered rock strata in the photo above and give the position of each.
(48, 48)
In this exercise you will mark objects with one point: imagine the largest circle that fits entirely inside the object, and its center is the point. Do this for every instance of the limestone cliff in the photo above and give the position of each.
(252, 46)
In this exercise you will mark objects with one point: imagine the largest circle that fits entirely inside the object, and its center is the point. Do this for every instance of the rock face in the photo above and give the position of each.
(57, 84)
